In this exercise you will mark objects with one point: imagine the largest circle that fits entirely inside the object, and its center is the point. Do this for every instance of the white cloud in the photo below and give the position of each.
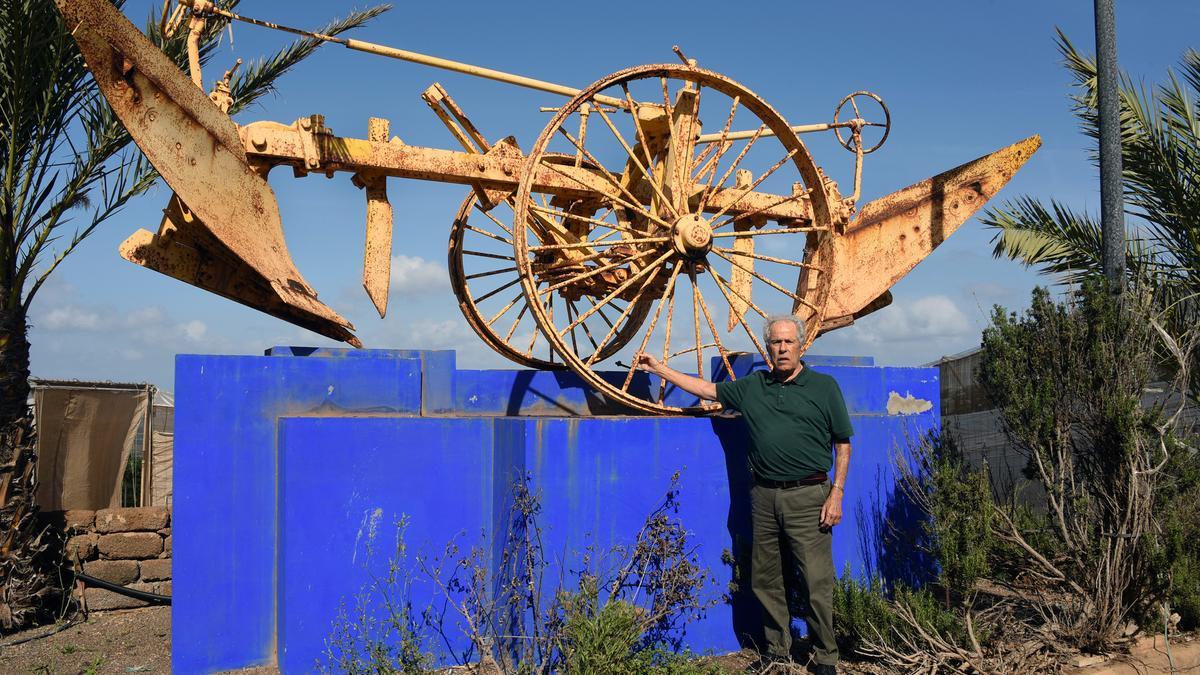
(70, 317)
(194, 330)
(935, 316)
(414, 274)
(909, 332)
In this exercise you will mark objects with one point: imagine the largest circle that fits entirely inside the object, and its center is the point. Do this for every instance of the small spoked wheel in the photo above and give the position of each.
(859, 102)
(682, 240)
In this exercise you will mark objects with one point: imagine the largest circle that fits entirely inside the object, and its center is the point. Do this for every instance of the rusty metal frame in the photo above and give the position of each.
(222, 230)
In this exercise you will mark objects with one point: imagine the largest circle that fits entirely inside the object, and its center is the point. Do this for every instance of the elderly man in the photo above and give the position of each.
(798, 423)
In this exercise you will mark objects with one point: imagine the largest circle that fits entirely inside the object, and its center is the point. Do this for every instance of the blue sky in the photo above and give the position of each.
(961, 80)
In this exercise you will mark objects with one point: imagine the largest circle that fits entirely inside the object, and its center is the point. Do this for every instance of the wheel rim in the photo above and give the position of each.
(681, 219)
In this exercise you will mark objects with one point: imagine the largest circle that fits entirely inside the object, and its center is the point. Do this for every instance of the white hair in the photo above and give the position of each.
(782, 318)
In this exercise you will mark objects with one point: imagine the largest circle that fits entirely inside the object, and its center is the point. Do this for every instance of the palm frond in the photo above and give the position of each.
(259, 77)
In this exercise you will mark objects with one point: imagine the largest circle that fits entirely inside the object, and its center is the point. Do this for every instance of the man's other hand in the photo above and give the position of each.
(831, 511)
(647, 363)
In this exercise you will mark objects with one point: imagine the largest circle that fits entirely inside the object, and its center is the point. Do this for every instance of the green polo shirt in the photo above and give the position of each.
(793, 425)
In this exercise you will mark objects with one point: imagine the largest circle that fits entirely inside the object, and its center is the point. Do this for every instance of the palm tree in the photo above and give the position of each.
(1160, 140)
(66, 160)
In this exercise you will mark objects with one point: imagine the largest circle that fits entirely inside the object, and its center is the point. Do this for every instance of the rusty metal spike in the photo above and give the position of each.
(377, 253)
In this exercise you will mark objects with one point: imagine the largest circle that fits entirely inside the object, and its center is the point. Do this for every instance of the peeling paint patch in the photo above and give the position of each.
(370, 523)
(907, 405)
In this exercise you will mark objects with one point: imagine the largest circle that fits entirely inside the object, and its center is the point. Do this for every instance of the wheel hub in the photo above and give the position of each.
(692, 236)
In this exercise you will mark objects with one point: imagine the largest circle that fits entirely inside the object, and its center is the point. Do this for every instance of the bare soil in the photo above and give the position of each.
(118, 641)
(139, 641)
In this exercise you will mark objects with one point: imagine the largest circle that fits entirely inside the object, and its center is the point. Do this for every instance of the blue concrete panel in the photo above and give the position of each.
(225, 473)
(344, 485)
(236, 478)
(437, 369)
(562, 393)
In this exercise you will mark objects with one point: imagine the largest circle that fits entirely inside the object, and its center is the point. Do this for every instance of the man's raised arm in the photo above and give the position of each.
(690, 383)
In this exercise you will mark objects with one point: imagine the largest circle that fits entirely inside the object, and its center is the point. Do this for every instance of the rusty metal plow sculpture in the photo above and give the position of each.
(627, 226)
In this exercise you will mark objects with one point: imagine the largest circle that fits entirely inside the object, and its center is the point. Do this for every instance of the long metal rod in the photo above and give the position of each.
(479, 71)
(415, 57)
(1112, 217)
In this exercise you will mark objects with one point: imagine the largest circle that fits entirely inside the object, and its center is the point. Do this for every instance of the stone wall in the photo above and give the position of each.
(129, 546)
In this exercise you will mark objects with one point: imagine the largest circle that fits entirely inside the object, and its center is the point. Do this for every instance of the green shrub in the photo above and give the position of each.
(866, 616)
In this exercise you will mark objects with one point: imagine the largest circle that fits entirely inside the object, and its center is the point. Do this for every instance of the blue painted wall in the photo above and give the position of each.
(285, 462)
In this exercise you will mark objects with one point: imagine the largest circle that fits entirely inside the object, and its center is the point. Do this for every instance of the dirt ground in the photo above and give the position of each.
(139, 641)
(119, 641)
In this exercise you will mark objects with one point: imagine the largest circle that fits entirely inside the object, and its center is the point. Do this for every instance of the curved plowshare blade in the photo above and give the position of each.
(222, 231)
(892, 234)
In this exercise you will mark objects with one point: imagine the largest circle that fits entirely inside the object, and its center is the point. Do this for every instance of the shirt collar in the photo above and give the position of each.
(800, 380)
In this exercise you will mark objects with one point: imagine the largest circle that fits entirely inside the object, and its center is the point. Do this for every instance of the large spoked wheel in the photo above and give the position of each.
(485, 281)
(705, 233)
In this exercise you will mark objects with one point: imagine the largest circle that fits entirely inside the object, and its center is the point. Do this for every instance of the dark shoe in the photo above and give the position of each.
(770, 664)
(825, 669)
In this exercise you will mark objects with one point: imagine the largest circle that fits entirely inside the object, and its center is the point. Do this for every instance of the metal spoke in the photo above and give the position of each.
(493, 292)
(586, 331)
(632, 303)
(667, 290)
(636, 162)
(513, 329)
(600, 311)
(710, 167)
(689, 350)
(487, 234)
(662, 382)
(568, 214)
(746, 190)
(724, 286)
(481, 254)
(767, 258)
(760, 233)
(495, 220)
(549, 315)
(770, 283)
(723, 144)
(507, 307)
(748, 301)
(490, 273)
(696, 319)
(712, 328)
(641, 133)
(633, 204)
(532, 341)
(586, 244)
(570, 305)
(732, 167)
(620, 289)
(598, 270)
(700, 158)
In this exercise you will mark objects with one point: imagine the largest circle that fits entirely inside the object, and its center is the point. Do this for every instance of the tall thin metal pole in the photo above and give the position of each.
(1112, 212)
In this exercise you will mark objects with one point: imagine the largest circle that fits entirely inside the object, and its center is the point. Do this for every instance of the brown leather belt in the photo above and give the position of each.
(814, 479)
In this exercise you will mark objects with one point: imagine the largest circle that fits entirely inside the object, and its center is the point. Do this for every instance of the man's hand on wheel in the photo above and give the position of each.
(646, 362)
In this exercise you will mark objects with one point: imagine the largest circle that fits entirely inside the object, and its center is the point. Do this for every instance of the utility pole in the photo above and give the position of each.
(1112, 210)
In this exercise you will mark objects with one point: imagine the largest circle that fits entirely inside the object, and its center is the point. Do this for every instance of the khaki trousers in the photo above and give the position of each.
(793, 515)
